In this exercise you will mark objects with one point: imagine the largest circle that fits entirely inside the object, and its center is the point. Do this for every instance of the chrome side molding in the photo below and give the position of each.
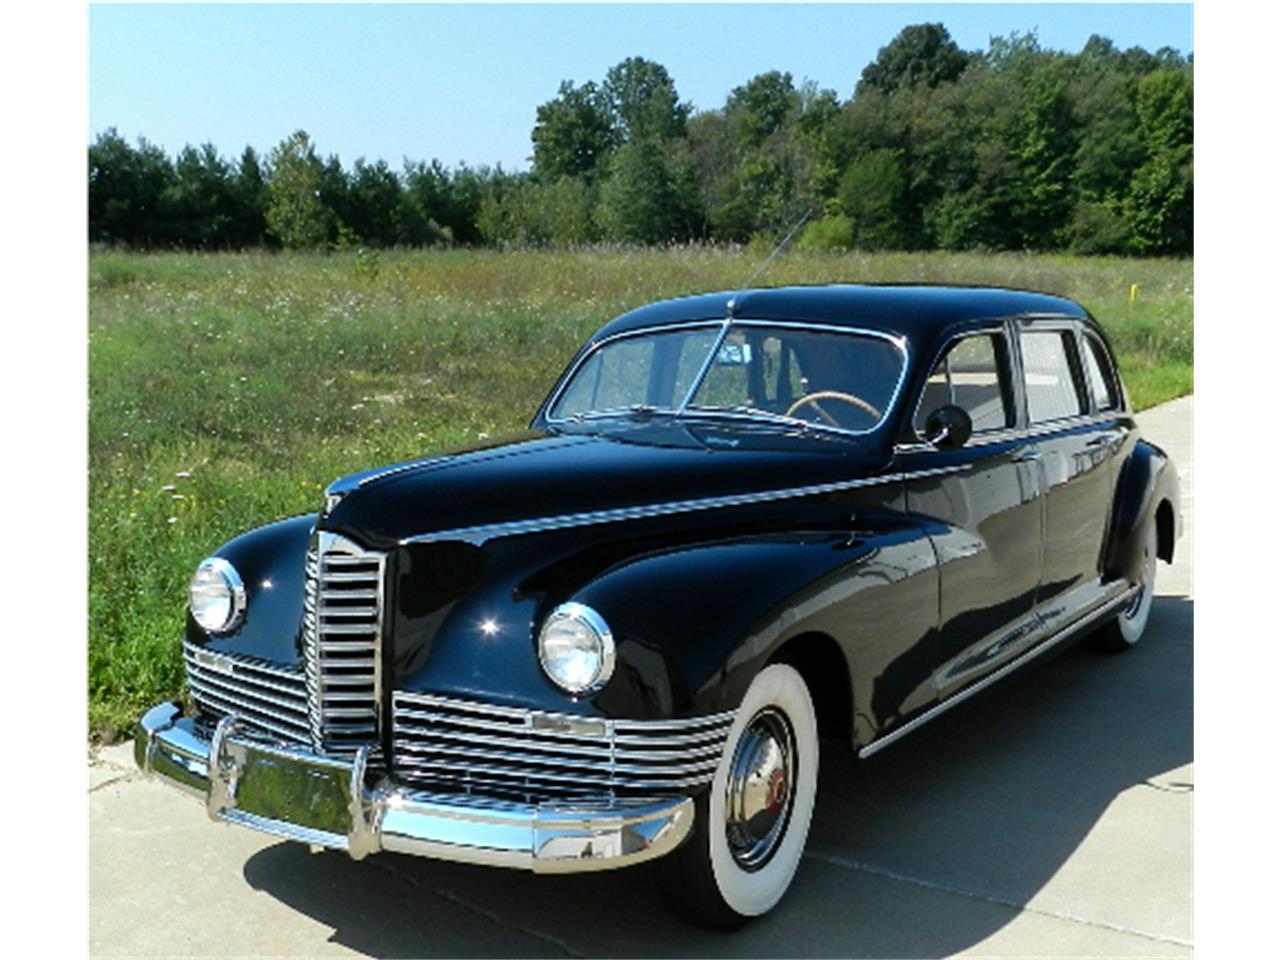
(1113, 605)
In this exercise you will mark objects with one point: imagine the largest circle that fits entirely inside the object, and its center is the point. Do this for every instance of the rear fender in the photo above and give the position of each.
(1148, 479)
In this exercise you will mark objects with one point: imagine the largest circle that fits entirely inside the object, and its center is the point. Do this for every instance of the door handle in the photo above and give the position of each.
(1027, 456)
(1103, 441)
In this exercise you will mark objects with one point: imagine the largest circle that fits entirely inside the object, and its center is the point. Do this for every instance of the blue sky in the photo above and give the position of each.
(462, 82)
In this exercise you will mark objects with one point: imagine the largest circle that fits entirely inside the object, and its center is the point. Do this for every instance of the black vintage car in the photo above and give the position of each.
(738, 522)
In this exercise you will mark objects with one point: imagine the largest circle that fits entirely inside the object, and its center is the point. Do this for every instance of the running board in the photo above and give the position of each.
(943, 706)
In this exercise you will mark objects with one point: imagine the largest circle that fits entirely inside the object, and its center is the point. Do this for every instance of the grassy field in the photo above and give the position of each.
(226, 390)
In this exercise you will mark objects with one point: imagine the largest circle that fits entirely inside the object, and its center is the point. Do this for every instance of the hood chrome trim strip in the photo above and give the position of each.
(481, 534)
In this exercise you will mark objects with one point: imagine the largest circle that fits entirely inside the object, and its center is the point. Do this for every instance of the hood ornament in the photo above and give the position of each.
(333, 495)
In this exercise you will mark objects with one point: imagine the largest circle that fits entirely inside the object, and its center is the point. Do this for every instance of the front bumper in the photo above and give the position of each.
(292, 792)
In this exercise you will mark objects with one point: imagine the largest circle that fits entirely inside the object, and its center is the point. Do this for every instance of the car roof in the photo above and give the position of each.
(917, 312)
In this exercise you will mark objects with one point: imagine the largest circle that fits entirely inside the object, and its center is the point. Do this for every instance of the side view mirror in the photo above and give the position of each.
(948, 428)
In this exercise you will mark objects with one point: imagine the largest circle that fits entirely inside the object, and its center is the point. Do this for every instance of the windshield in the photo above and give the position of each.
(828, 379)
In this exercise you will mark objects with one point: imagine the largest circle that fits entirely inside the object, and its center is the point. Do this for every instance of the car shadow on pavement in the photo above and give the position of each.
(924, 850)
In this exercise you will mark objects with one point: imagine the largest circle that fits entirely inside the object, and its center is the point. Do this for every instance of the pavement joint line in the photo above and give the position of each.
(124, 777)
(858, 865)
(470, 907)
(98, 760)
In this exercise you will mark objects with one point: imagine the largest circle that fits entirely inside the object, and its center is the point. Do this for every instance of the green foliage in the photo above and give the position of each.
(367, 265)
(574, 133)
(649, 196)
(1098, 228)
(437, 206)
(760, 108)
(525, 212)
(295, 214)
(830, 233)
(375, 204)
(203, 194)
(642, 98)
(125, 187)
(872, 192)
(250, 202)
(1161, 194)
(1042, 145)
(922, 54)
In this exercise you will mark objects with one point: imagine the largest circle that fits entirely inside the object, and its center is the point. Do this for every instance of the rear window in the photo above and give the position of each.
(1054, 391)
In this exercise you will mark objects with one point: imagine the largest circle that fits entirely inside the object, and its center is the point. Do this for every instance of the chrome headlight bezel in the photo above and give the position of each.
(214, 573)
(591, 627)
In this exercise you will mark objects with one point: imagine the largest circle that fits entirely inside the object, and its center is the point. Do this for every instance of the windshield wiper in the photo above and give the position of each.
(755, 413)
(639, 410)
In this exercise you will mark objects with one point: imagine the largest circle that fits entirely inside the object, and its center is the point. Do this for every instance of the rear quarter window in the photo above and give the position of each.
(1100, 374)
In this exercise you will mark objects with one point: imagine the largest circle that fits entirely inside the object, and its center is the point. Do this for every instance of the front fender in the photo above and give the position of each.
(1147, 479)
(271, 561)
(694, 625)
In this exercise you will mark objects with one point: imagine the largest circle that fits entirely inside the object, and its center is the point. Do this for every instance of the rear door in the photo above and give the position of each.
(1075, 448)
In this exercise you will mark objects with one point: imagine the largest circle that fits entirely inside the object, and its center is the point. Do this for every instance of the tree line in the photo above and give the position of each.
(1012, 148)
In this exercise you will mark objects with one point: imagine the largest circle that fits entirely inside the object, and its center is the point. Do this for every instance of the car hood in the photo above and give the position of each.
(541, 475)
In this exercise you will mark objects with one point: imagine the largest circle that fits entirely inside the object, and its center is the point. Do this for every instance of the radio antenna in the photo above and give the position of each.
(768, 260)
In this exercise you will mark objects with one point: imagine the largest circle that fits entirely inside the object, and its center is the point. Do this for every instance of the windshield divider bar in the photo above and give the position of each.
(706, 366)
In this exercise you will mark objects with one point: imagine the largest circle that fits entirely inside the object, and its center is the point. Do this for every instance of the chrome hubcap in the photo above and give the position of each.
(760, 791)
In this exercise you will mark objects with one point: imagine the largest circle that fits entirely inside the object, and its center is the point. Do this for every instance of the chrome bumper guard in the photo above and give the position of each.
(289, 791)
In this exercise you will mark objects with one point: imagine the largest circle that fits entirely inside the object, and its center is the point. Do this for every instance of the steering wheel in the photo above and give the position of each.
(812, 398)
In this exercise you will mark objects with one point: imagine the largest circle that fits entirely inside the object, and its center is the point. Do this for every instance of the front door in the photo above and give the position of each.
(981, 505)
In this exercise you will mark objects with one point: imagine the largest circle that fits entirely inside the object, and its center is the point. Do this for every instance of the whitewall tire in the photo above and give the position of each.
(1127, 628)
(750, 828)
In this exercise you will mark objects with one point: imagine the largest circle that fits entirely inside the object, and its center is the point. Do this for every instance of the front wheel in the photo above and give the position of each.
(750, 827)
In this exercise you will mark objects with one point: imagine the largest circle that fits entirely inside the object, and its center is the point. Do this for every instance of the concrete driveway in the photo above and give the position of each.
(1051, 817)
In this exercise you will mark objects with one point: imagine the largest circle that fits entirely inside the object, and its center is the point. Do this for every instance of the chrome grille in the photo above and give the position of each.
(529, 755)
(263, 695)
(341, 633)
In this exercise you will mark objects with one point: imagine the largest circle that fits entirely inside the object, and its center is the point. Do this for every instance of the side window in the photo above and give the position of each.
(728, 381)
(971, 375)
(1053, 389)
(781, 382)
(1102, 379)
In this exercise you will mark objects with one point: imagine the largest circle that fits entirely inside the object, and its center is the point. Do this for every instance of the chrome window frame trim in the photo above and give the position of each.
(1022, 430)
(594, 347)
(1110, 375)
(992, 328)
(1011, 435)
(1071, 326)
(726, 325)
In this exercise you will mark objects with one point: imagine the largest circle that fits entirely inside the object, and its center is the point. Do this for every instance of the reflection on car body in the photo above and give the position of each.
(737, 523)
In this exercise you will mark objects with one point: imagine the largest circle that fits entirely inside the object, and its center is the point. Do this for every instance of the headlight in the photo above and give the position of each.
(217, 595)
(576, 648)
